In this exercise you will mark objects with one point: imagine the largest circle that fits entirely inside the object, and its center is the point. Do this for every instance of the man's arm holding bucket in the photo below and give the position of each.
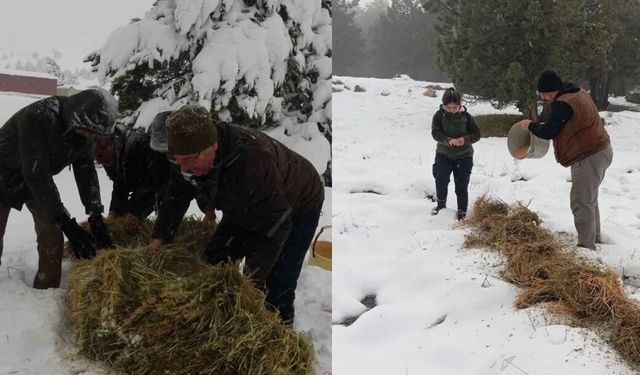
(561, 113)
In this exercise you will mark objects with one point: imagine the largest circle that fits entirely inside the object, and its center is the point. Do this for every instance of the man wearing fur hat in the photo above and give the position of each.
(270, 198)
(580, 142)
(38, 142)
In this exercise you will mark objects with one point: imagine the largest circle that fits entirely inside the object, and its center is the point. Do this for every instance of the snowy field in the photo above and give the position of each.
(33, 337)
(425, 304)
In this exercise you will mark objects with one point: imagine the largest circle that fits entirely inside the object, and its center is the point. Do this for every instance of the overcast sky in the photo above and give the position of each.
(73, 27)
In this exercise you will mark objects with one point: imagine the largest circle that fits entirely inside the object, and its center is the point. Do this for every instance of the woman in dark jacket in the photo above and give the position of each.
(455, 131)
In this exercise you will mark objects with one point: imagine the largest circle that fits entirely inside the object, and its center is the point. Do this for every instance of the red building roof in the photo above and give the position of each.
(36, 83)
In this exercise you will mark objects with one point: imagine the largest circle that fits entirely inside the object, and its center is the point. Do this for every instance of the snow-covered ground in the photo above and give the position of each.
(33, 338)
(439, 308)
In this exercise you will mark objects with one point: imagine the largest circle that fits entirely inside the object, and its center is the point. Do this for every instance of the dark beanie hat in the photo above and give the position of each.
(451, 96)
(190, 130)
(549, 81)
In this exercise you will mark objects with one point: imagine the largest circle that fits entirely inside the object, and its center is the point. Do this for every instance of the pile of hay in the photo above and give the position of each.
(193, 234)
(168, 312)
(537, 262)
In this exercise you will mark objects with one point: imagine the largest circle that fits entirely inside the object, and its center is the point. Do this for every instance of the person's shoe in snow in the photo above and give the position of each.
(604, 239)
(461, 215)
(436, 209)
(586, 248)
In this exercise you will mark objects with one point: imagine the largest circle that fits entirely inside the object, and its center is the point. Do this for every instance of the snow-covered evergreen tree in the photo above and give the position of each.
(50, 65)
(259, 63)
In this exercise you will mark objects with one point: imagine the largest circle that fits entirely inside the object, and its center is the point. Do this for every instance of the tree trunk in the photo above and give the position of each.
(600, 92)
(534, 111)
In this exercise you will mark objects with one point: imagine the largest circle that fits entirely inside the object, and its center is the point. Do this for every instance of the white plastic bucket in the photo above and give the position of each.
(523, 144)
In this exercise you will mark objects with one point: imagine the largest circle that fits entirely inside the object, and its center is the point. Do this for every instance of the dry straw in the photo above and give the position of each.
(168, 312)
(193, 234)
(537, 262)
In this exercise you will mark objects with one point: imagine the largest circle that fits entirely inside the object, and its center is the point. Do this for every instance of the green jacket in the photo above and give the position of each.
(446, 126)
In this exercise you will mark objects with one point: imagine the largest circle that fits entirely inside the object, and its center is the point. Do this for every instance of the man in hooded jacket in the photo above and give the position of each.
(38, 142)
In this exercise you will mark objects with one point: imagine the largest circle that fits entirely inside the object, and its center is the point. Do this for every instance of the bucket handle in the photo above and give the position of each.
(313, 246)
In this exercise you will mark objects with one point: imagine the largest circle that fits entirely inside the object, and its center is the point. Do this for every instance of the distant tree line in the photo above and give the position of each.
(494, 49)
(384, 39)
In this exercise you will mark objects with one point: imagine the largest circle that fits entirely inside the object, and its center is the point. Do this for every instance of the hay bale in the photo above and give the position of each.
(168, 312)
(506, 228)
(430, 93)
(570, 285)
(589, 292)
(193, 234)
(434, 87)
(485, 206)
(626, 336)
(586, 291)
(529, 267)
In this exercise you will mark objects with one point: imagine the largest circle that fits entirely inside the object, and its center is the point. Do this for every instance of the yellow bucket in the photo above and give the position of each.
(321, 252)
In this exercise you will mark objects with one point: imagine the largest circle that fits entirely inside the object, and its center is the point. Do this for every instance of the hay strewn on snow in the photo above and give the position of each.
(193, 234)
(168, 312)
(537, 262)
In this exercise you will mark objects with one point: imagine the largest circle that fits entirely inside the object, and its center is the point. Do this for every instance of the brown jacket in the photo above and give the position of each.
(584, 133)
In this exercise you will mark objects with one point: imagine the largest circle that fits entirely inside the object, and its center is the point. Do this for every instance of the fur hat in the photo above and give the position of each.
(549, 81)
(190, 130)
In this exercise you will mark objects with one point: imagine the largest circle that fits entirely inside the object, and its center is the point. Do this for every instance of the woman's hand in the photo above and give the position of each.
(456, 142)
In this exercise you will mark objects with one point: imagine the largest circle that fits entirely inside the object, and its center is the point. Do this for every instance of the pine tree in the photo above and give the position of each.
(348, 41)
(610, 49)
(256, 63)
(497, 49)
(49, 65)
(404, 41)
(625, 69)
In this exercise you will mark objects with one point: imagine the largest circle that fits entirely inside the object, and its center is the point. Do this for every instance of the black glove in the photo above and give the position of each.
(81, 240)
(100, 232)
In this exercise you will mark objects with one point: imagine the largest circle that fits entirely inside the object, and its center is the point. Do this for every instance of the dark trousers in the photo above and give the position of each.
(461, 169)
(283, 279)
(50, 245)
(4, 216)
(228, 242)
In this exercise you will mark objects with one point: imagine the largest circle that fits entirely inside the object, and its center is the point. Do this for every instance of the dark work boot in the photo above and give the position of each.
(461, 215)
(50, 246)
(440, 206)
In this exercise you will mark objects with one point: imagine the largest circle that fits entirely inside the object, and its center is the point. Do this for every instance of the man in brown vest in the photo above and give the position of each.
(581, 142)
